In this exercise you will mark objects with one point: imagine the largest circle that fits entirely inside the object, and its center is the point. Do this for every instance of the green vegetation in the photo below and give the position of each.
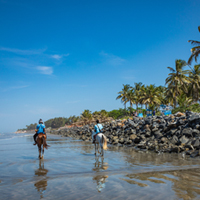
(193, 108)
(86, 117)
(31, 126)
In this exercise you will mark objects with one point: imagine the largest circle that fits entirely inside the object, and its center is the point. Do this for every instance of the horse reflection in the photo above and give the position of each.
(41, 172)
(100, 179)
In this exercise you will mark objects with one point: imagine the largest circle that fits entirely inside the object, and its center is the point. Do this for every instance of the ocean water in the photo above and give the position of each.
(70, 170)
(10, 136)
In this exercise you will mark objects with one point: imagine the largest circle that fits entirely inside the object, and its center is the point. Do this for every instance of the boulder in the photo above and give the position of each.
(161, 126)
(115, 141)
(183, 139)
(187, 132)
(164, 140)
(174, 140)
(195, 132)
(121, 141)
(133, 136)
(147, 127)
(147, 121)
(115, 137)
(193, 117)
(175, 149)
(148, 134)
(158, 134)
(195, 143)
(179, 114)
(194, 154)
(137, 140)
(129, 142)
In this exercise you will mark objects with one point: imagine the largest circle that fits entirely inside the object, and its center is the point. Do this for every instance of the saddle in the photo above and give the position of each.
(40, 135)
(95, 136)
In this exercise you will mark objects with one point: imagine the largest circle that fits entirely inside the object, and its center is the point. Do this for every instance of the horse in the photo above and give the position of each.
(100, 140)
(41, 140)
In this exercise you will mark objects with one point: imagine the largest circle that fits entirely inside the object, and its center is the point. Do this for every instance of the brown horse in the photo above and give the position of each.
(41, 140)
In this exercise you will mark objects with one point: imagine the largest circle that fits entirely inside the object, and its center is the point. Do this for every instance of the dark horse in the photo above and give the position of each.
(41, 140)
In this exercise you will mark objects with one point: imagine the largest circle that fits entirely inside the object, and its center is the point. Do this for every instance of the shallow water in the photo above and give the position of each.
(71, 171)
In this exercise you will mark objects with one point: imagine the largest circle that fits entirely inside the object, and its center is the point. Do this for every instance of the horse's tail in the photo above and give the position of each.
(45, 145)
(104, 142)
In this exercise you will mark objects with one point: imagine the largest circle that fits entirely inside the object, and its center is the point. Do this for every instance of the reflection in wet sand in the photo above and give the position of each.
(41, 172)
(99, 166)
(185, 183)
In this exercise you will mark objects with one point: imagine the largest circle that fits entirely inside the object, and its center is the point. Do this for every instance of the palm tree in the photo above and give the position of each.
(138, 86)
(183, 100)
(131, 97)
(151, 96)
(177, 79)
(195, 50)
(103, 115)
(194, 75)
(162, 95)
(123, 94)
(170, 95)
(142, 95)
(86, 116)
(137, 93)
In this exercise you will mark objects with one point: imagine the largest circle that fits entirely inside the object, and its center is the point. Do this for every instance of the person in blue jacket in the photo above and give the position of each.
(98, 128)
(40, 128)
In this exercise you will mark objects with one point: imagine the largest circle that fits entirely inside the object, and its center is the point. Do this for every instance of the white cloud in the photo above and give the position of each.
(58, 57)
(23, 52)
(15, 88)
(112, 59)
(45, 70)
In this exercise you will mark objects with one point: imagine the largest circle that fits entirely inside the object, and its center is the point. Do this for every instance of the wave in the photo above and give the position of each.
(12, 136)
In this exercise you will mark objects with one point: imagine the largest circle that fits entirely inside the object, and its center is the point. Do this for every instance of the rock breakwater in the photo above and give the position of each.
(174, 133)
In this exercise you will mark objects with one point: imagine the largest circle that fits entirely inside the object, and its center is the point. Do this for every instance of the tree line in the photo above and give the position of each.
(86, 117)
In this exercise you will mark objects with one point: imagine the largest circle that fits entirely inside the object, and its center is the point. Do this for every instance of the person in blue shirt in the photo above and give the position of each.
(98, 128)
(40, 128)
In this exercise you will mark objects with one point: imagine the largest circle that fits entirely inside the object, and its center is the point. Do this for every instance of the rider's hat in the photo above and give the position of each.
(40, 121)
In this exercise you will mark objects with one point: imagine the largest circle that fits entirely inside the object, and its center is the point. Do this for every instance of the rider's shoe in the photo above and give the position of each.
(93, 141)
(35, 143)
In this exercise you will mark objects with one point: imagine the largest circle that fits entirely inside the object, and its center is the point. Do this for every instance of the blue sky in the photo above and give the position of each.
(58, 58)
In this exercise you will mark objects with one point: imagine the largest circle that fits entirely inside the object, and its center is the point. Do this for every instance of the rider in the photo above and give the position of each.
(98, 128)
(40, 128)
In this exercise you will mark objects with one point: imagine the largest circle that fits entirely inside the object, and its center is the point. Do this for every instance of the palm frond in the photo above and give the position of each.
(194, 55)
(194, 42)
(171, 69)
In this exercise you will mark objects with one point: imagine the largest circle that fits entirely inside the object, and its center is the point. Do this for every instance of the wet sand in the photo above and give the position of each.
(71, 171)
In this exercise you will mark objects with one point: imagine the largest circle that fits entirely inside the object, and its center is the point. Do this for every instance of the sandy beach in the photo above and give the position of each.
(71, 171)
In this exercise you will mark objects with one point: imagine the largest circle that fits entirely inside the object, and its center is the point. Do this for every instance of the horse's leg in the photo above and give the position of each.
(39, 149)
(102, 141)
(98, 147)
(42, 152)
(95, 149)
(43, 148)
